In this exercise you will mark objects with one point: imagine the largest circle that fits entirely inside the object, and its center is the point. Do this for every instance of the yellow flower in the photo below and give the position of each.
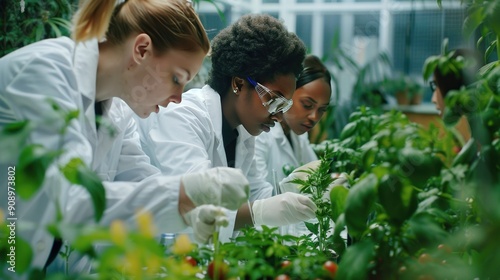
(182, 245)
(133, 264)
(118, 232)
(154, 264)
(145, 224)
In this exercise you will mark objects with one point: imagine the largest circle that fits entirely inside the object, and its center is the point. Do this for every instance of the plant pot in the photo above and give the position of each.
(416, 99)
(402, 98)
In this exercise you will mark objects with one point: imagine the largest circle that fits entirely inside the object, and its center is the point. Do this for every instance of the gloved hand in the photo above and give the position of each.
(283, 209)
(340, 180)
(221, 186)
(203, 219)
(286, 184)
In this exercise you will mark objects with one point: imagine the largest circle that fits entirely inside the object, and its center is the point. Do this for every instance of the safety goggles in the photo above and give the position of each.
(433, 86)
(276, 103)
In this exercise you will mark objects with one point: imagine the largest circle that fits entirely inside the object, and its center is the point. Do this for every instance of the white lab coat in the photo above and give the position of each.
(65, 73)
(187, 137)
(273, 151)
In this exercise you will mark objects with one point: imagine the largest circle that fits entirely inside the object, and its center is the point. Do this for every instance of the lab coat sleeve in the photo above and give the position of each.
(134, 165)
(179, 139)
(308, 153)
(32, 81)
(25, 97)
(259, 187)
(158, 195)
(262, 154)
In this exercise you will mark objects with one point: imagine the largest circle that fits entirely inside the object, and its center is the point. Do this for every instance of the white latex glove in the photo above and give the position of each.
(203, 219)
(222, 186)
(283, 209)
(340, 180)
(286, 184)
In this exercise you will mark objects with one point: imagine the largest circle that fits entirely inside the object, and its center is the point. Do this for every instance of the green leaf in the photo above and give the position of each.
(338, 242)
(32, 166)
(359, 204)
(348, 130)
(430, 65)
(55, 28)
(39, 32)
(425, 230)
(492, 13)
(491, 48)
(398, 200)
(472, 21)
(355, 262)
(78, 173)
(338, 198)
(12, 138)
(314, 228)
(24, 255)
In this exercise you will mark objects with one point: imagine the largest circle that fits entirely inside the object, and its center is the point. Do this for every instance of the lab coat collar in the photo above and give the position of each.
(85, 59)
(213, 103)
(278, 134)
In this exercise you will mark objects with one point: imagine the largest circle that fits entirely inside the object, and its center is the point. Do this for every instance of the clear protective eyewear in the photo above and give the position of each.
(276, 104)
(433, 86)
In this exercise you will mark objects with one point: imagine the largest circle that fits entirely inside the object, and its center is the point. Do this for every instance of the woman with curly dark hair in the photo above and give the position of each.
(255, 64)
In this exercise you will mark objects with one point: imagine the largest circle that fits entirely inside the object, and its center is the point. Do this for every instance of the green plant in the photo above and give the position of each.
(401, 86)
(38, 20)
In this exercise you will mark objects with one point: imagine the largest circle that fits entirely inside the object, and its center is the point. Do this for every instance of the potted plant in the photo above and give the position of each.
(406, 90)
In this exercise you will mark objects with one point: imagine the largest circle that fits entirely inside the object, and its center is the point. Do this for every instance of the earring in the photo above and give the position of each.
(235, 90)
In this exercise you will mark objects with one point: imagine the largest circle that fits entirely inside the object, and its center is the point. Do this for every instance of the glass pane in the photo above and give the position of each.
(304, 28)
(413, 43)
(331, 28)
(367, 24)
(213, 23)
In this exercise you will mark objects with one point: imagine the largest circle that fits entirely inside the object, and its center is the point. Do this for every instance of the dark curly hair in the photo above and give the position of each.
(313, 69)
(257, 46)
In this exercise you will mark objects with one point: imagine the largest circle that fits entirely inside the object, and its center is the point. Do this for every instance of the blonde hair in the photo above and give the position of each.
(169, 23)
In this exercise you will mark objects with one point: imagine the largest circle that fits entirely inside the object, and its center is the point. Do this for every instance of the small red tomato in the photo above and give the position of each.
(331, 267)
(456, 149)
(190, 260)
(285, 263)
(282, 277)
(444, 248)
(424, 258)
(222, 269)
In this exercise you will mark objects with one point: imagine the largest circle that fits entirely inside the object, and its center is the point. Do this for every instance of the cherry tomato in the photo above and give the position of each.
(285, 263)
(424, 258)
(456, 149)
(222, 269)
(402, 269)
(444, 248)
(331, 267)
(282, 277)
(190, 260)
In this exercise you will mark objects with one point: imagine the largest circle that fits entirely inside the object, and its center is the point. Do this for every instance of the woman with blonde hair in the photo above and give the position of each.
(138, 54)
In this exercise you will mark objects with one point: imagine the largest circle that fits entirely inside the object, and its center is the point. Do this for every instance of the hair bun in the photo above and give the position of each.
(312, 61)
